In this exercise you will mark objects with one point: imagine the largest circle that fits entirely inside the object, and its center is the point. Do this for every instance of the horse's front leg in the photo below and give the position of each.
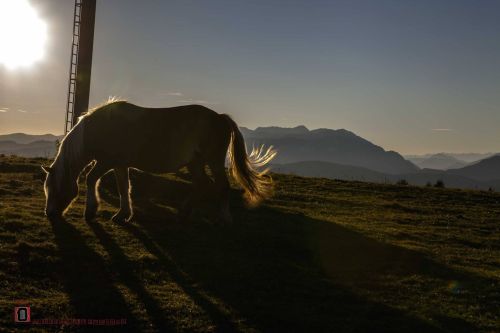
(123, 183)
(92, 203)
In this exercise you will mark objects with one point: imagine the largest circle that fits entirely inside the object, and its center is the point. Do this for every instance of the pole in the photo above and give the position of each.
(84, 66)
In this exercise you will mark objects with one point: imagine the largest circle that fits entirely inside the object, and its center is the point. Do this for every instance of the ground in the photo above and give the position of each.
(322, 255)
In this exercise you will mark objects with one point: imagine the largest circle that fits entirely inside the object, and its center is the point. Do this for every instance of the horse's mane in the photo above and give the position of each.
(111, 100)
(71, 146)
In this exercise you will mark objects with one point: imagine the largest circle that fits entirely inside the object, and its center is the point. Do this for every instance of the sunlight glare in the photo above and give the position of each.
(22, 34)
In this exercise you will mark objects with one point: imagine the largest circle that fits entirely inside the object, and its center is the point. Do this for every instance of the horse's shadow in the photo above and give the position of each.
(275, 271)
(88, 280)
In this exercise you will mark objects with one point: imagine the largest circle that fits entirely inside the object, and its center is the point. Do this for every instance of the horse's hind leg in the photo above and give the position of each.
(92, 203)
(122, 181)
(201, 183)
(222, 189)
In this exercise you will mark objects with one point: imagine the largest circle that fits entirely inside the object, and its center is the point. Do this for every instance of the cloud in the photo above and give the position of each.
(22, 111)
(175, 93)
(3, 110)
(442, 129)
(195, 101)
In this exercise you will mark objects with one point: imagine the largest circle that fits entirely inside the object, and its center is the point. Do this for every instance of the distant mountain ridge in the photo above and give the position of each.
(463, 157)
(24, 138)
(341, 146)
(29, 145)
(439, 161)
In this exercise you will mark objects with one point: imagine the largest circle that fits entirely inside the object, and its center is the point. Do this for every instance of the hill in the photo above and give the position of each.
(332, 171)
(451, 178)
(335, 146)
(484, 170)
(322, 255)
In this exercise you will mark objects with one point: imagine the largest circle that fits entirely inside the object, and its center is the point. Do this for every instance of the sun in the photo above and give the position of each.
(22, 34)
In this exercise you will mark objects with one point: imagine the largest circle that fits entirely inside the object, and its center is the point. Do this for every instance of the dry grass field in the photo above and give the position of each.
(322, 255)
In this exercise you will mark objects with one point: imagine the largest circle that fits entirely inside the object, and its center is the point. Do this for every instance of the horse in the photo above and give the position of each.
(119, 135)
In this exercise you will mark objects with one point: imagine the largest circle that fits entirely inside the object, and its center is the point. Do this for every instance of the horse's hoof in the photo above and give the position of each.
(120, 219)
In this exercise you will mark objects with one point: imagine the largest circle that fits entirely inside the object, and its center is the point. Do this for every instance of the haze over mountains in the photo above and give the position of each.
(462, 157)
(438, 161)
(336, 154)
(445, 161)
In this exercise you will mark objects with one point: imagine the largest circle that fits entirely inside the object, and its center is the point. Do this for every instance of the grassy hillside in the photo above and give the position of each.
(322, 255)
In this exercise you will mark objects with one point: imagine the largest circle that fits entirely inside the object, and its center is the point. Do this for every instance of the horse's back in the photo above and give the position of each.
(153, 139)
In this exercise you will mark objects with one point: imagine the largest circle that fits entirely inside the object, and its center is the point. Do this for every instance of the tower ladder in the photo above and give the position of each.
(70, 106)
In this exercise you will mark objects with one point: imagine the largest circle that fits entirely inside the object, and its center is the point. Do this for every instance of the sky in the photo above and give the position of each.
(411, 76)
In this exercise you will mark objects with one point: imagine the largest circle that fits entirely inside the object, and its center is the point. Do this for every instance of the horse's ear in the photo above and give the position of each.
(47, 169)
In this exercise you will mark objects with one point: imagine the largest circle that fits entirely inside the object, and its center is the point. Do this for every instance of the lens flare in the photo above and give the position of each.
(454, 287)
(22, 34)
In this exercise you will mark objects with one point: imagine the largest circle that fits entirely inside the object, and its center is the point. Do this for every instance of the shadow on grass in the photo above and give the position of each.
(278, 271)
(88, 280)
(269, 278)
(124, 268)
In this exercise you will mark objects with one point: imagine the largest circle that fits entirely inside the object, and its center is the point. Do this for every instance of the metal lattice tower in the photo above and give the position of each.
(80, 61)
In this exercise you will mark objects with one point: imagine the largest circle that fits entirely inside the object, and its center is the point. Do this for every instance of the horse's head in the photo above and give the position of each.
(60, 191)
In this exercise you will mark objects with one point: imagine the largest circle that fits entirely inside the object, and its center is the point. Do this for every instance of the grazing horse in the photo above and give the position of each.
(119, 135)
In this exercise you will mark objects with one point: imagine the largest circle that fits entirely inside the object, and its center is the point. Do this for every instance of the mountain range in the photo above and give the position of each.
(23, 138)
(299, 144)
(33, 149)
(341, 154)
(337, 154)
(28, 145)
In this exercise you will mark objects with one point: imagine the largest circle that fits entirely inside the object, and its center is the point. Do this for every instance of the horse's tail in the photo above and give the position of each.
(244, 168)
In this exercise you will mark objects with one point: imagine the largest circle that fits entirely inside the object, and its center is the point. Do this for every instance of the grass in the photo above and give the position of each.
(322, 255)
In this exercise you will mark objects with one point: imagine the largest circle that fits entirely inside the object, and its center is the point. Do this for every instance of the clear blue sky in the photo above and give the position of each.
(412, 76)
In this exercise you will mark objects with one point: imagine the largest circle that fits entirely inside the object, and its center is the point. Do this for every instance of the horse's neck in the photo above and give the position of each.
(71, 158)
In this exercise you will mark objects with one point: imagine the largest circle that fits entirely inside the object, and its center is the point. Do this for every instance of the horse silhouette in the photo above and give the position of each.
(119, 135)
